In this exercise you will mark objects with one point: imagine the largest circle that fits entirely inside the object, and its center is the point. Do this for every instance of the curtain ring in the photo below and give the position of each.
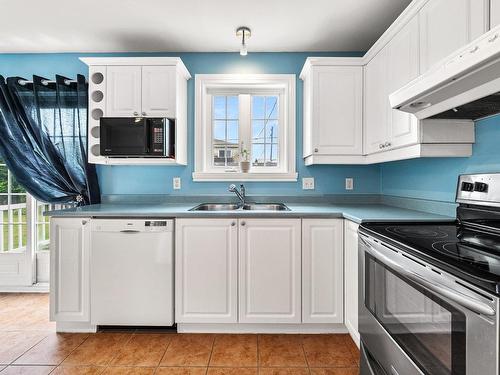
(79, 198)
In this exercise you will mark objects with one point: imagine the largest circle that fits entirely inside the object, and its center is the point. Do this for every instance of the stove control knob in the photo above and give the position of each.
(481, 187)
(467, 186)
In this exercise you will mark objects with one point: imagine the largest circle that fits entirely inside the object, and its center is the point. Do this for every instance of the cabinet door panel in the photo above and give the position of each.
(206, 270)
(376, 101)
(123, 91)
(70, 266)
(351, 278)
(322, 271)
(270, 271)
(494, 13)
(447, 25)
(337, 110)
(158, 91)
(402, 60)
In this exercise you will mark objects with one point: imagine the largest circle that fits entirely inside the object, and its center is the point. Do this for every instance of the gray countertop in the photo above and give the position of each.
(362, 212)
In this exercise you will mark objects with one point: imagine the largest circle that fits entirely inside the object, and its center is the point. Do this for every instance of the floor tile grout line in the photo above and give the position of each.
(76, 347)
(211, 352)
(26, 351)
(166, 349)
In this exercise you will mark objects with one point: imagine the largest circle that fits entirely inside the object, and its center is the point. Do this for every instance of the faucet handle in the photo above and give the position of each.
(232, 187)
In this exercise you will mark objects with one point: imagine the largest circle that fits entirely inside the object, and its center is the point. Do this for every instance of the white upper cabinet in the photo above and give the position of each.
(322, 271)
(123, 89)
(270, 271)
(206, 269)
(403, 66)
(376, 128)
(333, 103)
(158, 91)
(70, 269)
(446, 25)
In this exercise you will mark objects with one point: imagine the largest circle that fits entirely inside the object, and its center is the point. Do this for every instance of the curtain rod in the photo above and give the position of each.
(45, 82)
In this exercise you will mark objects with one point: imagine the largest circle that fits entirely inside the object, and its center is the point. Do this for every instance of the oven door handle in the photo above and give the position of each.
(462, 299)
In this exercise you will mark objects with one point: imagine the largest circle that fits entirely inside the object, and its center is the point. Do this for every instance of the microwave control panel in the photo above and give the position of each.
(157, 137)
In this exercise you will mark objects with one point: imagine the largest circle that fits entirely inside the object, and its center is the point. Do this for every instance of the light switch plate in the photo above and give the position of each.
(176, 182)
(308, 183)
(349, 183)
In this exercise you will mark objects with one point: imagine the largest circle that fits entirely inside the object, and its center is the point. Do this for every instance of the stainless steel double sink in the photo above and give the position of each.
(238, 207)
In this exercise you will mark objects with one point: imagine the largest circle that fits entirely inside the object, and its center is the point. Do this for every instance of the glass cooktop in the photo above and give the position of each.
(467, 253)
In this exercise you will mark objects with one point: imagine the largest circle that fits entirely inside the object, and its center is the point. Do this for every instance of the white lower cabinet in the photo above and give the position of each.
(70, 269)
(206, 268)
(351, 278)
(270, 268)
(322, 270)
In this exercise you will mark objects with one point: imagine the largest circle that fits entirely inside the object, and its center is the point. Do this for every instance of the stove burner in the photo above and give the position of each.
(416, 232)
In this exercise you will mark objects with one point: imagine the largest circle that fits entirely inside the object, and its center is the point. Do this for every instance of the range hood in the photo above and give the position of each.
(466, 85)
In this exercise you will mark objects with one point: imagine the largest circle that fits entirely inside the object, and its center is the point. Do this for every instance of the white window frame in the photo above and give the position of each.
(255, 84)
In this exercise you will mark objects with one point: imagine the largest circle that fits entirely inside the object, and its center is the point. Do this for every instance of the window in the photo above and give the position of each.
(245, 118)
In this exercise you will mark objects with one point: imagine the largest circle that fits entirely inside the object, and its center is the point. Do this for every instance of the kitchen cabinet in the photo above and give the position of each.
(158, 91)
(70, 269)
(206, 268)
(270, 271)
(351, 273)
(447, 25)
(322, 270)
(494, 13)
(333, 105)
(123, 89)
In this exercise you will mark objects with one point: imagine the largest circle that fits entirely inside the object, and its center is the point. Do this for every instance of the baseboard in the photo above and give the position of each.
(259, 328)
(35, 288)
(354, 333)
(75, 327)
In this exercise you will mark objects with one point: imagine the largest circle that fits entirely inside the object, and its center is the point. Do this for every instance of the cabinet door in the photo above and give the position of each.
(269, 278)
(69, 269)
(158, 91)
(494, 13)
(376, 102)
(206, 270)
(402, 60)
(123, 91)
(322, 271)
(337, 110)
(447, 25)
(351, 278)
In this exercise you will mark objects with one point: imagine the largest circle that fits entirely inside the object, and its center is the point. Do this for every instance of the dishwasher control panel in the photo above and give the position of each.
(132, 225)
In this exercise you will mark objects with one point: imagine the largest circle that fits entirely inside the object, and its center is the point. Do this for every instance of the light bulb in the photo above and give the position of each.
(243, 50)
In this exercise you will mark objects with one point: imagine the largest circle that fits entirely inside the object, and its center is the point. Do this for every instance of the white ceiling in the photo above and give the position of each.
(193, 25)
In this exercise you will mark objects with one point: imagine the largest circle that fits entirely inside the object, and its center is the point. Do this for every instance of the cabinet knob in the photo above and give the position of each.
(381, 146)
(144, 113)
(316, 150)
(387, 144)
(493, 38)
(84, 222)
(233, 224)
(136, 113)
(243, 223)
(474, 49)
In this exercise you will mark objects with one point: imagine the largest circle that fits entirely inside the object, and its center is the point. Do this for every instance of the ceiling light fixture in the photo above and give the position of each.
(243, 33)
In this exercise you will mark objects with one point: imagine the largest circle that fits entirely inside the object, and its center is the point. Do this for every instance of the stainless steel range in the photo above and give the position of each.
(429, 292)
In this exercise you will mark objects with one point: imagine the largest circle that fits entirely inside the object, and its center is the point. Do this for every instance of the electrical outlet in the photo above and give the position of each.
(308, 183)
(349, 183)
(176, 182)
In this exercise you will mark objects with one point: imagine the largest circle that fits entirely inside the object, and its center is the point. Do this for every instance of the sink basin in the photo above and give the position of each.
(265, 207)
(235, 207)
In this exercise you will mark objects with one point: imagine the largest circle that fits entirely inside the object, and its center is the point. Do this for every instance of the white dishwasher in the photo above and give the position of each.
(132, 274)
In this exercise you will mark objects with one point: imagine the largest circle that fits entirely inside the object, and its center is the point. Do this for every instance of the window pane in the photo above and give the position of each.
(226, 140)
(258, 103)
(271, 107)
(15, 186)
(4, 179)
(265, 131)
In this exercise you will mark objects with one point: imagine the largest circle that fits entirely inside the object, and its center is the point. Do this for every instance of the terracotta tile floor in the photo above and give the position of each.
(29, 345)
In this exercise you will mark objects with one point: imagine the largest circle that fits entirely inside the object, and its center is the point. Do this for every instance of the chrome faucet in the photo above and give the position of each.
(239, 193)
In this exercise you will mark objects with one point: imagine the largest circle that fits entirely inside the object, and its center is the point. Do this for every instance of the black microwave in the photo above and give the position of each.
(137, 137)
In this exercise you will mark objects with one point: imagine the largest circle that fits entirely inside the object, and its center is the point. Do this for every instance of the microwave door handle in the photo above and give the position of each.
(458, 297)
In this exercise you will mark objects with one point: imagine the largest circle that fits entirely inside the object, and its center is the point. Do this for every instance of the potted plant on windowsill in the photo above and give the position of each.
(244, 162)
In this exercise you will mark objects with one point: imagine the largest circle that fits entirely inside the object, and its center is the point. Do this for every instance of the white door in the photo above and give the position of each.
(123, 91)
(494, 13)
(447, 25)
(351, 278)
(337, 110)
(403, 63)
(70, 268)
(270, 271)
(376, 101)
(158, 91)
(322, 270)
(206, 268)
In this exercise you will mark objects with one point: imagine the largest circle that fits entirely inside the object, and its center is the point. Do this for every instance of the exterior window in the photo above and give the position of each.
(245, 118)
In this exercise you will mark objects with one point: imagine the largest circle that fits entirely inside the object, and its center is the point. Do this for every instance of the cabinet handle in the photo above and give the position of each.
(381, 146)
(388, 144)
(474, 49)
(316, 150)
(233, 224)
(243, 223)
(493, 38)
(136, 113)
(144, 113)
(84, 222)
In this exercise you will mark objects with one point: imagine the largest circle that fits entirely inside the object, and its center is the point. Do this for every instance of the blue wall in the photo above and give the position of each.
(158, 179)
(436, 178)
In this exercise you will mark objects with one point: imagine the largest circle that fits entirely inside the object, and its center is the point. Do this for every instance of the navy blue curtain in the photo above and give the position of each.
(43, 138)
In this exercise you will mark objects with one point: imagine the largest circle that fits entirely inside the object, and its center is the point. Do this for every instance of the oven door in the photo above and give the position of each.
(124, 136)
(417, 320)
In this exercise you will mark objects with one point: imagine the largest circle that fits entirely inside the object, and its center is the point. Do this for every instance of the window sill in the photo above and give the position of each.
(238, 176)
